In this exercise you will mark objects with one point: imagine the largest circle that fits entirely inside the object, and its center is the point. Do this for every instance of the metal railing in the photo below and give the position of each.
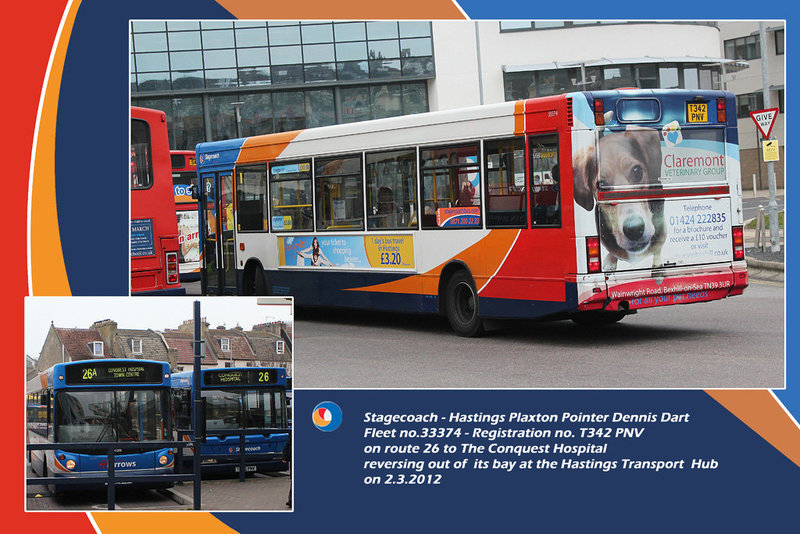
(111, 479)
(242, 444)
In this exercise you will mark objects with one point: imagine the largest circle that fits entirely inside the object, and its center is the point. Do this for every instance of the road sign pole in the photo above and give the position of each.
(774, 238)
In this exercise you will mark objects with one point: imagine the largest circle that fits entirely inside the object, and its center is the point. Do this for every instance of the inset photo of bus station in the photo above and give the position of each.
(586, 201)
(122, 393)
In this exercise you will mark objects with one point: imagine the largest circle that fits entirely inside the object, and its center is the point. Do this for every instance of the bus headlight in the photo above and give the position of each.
(163, 459)
(70, 464)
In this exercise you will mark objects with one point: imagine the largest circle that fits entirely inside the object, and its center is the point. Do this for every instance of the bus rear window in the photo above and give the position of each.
(141, 158)
(638, 110)
(643, 157)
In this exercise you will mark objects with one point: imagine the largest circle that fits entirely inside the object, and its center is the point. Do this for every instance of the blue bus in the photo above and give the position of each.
(110, 400)
(237, 398)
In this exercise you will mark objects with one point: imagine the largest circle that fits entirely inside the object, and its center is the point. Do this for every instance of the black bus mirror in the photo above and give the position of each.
(195, 191)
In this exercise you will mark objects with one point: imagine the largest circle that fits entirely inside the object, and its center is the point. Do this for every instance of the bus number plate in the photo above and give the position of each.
(247, 468)
(696, 112)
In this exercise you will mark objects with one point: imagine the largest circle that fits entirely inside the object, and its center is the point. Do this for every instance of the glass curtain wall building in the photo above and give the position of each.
(281, 75)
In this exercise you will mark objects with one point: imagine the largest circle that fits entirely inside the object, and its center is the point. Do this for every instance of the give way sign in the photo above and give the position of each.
(765, 120)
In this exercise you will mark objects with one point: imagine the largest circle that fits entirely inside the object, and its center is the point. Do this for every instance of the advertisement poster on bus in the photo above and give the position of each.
(614, 170)
(657, 233)
(188, 235)
(348, 251)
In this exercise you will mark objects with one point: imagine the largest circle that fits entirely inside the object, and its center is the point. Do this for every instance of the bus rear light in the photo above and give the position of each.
(738, 242)
(599, 117)
(593, 254)
(721, 117)
(172, 267)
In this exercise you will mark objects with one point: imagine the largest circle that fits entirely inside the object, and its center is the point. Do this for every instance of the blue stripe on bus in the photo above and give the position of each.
(305, 286)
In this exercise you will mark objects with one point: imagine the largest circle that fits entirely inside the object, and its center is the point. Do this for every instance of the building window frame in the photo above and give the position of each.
(97, 348)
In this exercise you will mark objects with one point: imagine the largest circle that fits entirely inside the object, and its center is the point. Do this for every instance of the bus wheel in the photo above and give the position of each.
(260, 286)
(461, 304)
(254, 282)
(597, 317)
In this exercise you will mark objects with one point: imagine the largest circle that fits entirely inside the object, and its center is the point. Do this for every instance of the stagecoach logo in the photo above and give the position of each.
(672, 134)
(205, 158)
(327, 416)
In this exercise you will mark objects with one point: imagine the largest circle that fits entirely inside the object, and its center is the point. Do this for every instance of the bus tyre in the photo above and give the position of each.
(597, 317)
(260, 286)
(254, 281)
(461, 305)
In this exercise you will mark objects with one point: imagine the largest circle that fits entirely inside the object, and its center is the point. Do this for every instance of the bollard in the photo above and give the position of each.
(761, 229)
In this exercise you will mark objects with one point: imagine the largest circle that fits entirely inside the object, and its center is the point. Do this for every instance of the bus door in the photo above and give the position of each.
(219, 254)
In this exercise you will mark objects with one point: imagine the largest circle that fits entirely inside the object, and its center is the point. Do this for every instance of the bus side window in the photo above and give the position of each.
(251, 198)
(545, 180)
(291, 196)
(391, 191)
(504, 164)
(340, 201)
(451, 195)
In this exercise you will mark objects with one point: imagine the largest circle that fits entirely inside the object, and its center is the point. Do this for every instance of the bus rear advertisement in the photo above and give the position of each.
(184, 181)
(587, 206)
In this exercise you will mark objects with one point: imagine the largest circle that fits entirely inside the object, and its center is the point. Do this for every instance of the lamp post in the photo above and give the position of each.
(774, 238)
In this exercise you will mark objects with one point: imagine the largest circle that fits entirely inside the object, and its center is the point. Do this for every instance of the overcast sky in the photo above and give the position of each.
(158, 313)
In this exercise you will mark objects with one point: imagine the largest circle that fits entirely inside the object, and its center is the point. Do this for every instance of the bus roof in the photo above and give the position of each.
(373, 134)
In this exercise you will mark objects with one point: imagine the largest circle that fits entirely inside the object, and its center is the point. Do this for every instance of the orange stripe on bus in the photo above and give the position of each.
(519, 117)
(483, 258)
(265, 147)
(344, 9)
(759, 410)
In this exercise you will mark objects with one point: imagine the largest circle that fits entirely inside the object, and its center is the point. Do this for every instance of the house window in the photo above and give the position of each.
(743, 48)
(779, 42)
(747, 103)
(225, 344)
(228, 364)
(97, 348)
(136, 346)
(279, 346)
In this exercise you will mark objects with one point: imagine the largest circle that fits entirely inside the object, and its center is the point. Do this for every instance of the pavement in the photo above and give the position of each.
(762, 269)
(259, 492)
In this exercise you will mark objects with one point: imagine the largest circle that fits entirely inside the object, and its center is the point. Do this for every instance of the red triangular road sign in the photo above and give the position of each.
(765, 120)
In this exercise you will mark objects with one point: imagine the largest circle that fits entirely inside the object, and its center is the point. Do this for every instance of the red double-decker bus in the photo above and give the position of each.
(154, 228)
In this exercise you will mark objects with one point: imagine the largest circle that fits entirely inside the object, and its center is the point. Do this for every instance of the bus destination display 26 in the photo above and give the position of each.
(112, 373)
(240, 377)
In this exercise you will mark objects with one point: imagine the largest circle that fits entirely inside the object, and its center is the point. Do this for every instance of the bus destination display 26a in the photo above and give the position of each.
(112, 373)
